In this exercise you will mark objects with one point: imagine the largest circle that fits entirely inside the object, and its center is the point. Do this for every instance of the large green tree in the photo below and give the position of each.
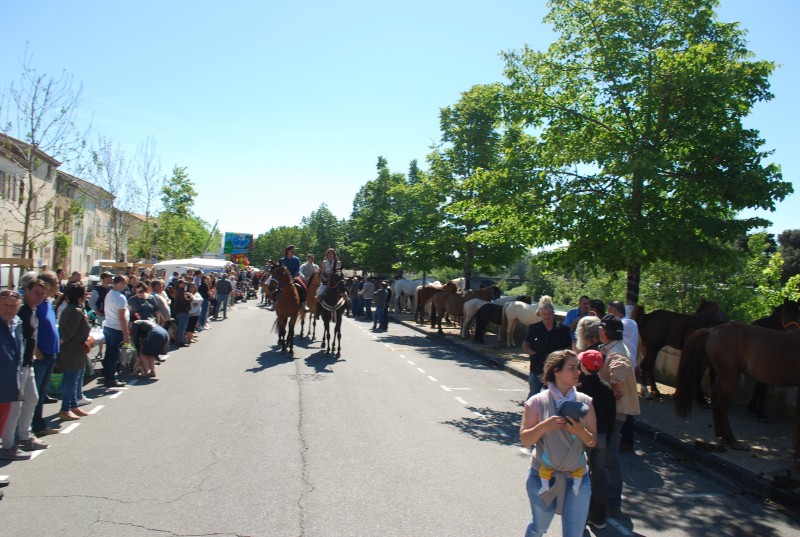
(180, 232)
(641, 155)
(374, 229)
(471, 153)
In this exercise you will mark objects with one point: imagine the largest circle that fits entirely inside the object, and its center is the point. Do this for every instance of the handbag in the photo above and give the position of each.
(88, 344)
(127, 354)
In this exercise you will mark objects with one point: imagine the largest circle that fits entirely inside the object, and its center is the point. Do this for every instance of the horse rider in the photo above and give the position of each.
(292, 263)
(308, 268)
(330, 266)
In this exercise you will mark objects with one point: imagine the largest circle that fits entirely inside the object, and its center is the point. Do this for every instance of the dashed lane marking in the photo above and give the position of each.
(478, 414)
(696, 495)
(69, 428)
(96, 409)
(500, 431)
(449, 389)
(525, 450)
(432, 379)
(460, 400)
(116, 394)
(401, 356)
(410, 362)
(420, 370)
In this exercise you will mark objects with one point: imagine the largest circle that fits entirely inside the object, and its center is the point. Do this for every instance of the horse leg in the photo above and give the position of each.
(721, 395)
(290, 336)
(756, 404)
(699, 396)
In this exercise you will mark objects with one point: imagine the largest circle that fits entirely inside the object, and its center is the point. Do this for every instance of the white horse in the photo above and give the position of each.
(514, 312)
(459, 283)
(406, 288)
(471, 308)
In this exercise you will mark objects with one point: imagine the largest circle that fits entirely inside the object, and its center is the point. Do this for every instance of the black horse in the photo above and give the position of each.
(331, 309)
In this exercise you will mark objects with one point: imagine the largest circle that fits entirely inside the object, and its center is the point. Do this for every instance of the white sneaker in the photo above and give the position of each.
(84, 401)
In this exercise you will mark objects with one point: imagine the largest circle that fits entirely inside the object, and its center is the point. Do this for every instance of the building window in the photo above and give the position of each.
(16, 250)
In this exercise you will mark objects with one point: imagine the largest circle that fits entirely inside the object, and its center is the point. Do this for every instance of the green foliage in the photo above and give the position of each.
(271, 245)
(641, 156)
(180, 233)
(790, 251)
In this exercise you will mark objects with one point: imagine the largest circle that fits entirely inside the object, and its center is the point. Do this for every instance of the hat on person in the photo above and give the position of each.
(592, 360)
(612, 324)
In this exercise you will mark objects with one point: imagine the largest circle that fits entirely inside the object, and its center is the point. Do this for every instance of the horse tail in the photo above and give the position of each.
(693, 355)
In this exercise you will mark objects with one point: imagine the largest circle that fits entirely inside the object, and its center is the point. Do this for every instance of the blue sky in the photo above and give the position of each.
(276, 108)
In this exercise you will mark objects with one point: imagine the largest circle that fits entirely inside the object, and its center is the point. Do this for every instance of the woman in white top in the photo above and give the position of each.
(330, 266)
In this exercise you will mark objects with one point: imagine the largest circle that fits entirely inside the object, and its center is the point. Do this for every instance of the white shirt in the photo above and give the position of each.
(630, 337)
(115, 302)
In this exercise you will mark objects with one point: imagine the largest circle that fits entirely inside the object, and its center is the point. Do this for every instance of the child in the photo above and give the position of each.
(574, 411)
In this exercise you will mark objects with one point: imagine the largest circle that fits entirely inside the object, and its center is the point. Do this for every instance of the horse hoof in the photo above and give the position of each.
(739, 446)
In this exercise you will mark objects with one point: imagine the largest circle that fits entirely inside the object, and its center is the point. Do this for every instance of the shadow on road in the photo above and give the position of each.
(438, 348)
(501, 427)
(269, 359)
(322, 363)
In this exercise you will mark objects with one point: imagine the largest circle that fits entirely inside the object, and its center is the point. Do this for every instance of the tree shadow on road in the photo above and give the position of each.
(272, 358)
(438, 348)
(489, 425)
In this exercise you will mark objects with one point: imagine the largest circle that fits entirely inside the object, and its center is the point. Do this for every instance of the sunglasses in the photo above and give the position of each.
(7, 292)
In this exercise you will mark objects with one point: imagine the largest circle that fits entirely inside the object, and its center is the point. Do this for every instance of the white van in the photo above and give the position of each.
(164, 269)
(100, 266)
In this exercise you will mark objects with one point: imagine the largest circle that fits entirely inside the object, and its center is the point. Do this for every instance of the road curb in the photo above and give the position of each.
(748, 481)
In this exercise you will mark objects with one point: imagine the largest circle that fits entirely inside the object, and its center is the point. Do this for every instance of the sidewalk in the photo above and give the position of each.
(763, 471)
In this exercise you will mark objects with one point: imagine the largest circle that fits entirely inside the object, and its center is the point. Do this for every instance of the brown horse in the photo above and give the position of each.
(287, 308)
(785, 317)
(668, 328)
(425, 294)
(311, 301)
(732, 349)
(452, 303)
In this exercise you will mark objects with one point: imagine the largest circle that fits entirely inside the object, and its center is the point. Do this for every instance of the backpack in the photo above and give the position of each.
(101, 299)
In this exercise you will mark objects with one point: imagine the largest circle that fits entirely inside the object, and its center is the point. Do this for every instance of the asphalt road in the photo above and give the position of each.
(401, 436)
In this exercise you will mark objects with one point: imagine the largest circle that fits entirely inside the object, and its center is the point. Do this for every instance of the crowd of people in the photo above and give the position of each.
(52, 325)
(590, 360)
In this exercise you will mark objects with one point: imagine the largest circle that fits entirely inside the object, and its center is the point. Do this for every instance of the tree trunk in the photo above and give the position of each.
(632, 294)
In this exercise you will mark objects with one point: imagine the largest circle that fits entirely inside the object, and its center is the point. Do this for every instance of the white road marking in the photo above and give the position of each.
(4, 477)
(445, 388)
(696, 495)
(460, 400)
(38, 452)
(525, 450)
(410, 362)
(401, 356)
(69, 428)
(96, 409)
(500, 431)
(116, 394)
(448, 389)
(432, 379)
(478, 414)
(420, 370)
(619, 527)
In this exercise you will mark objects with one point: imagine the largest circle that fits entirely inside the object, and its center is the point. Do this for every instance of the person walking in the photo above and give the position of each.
(559, 442)
(605, 408)
(618, 372)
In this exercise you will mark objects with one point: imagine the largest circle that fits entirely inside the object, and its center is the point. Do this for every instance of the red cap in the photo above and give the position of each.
(591, 360)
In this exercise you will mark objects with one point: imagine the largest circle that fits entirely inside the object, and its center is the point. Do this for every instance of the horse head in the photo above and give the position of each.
(450, 286)
(711, 310)
(790, 315)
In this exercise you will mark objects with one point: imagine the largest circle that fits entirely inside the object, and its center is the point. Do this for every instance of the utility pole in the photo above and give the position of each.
(213, 229)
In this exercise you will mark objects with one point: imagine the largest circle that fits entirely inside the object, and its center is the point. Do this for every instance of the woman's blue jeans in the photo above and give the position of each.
(576, 508)
(70, 381)
(183, 322)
